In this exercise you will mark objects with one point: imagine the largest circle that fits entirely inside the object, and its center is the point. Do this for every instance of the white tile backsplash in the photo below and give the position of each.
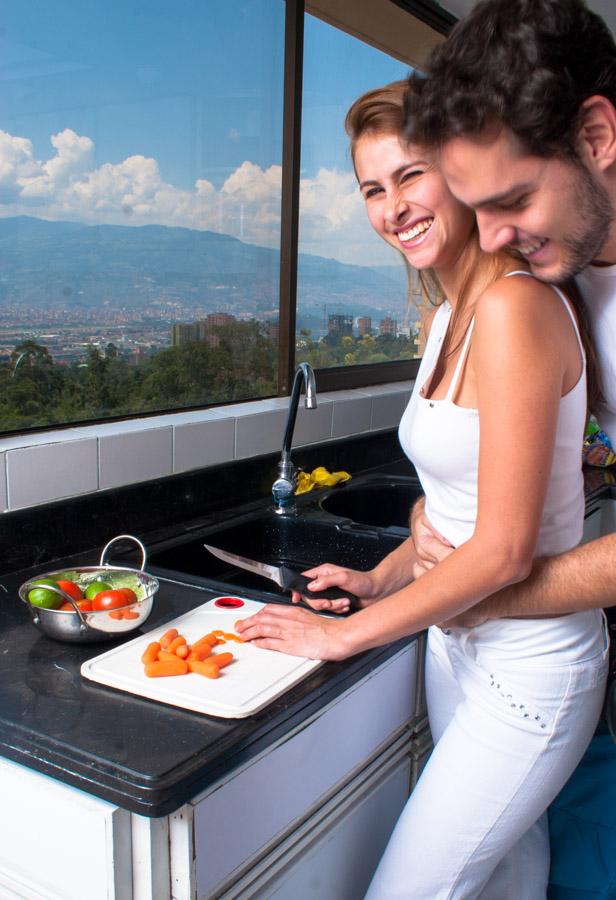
(260, 433)
(313, 425)
(133, 456)
(66, 462)
(198, 444)
(47, 472)
(387, 409)
(4, 501)
(351, 416)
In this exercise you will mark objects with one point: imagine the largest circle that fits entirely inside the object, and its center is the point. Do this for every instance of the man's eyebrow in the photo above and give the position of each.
(497, 199)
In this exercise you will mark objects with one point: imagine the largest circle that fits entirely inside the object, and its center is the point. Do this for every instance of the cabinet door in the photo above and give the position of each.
(333, 856)
(59, 843)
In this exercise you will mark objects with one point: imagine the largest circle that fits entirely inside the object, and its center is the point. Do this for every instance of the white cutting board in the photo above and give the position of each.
(250, 682)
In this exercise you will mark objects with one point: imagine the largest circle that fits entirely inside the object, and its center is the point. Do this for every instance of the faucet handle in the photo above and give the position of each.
(283, 491)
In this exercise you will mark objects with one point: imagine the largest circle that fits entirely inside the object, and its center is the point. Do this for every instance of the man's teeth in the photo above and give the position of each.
(415, 231)
(529, 249)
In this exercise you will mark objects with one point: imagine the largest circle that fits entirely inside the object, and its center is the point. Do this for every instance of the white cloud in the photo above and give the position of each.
(132, 192)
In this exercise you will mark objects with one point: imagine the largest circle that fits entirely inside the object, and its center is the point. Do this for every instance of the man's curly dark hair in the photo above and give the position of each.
(527, 64)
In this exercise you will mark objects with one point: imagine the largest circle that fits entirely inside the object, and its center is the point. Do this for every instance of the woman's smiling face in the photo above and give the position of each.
(409, 204)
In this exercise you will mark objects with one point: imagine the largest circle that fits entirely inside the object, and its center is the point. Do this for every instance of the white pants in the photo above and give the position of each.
(513, 705)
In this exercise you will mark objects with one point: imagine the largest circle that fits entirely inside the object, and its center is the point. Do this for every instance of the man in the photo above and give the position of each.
(533, 152)
(520, 102)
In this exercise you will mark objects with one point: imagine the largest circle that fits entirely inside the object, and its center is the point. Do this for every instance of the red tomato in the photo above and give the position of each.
(131, 596)
(109, 600)
(84, 606)
(70, 588)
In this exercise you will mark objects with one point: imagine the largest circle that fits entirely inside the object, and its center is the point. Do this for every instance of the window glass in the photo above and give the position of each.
(140, 157)
(355, 302)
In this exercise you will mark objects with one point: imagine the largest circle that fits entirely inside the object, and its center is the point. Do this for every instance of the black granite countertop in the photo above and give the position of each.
(139, 754)
(144, 756)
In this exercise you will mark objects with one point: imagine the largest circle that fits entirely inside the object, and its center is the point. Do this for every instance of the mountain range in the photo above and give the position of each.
(46, 264)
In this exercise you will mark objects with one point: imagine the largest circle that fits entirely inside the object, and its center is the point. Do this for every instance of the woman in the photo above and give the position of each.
(494, 427)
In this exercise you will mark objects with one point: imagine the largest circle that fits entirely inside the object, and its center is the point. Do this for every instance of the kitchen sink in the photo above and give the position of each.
(381, 502)
(297, 541)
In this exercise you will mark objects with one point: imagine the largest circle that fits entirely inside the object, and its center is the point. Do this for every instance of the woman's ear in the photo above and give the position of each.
(597, 134)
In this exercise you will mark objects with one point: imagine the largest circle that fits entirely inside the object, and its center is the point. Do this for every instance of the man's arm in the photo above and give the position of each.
(583, 578)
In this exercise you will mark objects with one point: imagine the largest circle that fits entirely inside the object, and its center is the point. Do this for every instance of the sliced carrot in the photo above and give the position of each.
(222, 659)
(182, 651)
(116, 614)
(205, 667)
(234, 637)
(150, 654)
(164, 668)
(218, 632)
(130, 614)
(167, 637)
(175, 643)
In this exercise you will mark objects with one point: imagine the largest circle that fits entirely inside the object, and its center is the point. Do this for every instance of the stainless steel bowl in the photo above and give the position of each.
(83, 627)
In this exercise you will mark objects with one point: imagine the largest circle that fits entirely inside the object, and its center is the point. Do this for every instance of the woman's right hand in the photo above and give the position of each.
(329, 575)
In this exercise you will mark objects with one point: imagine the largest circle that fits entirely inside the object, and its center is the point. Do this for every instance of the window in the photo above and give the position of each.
(353, 302)
(141, 150)
(140, 205)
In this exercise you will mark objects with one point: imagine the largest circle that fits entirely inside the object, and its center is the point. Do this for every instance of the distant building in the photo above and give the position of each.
(364, 325)
(340, 326)
(388, 326)
(184, 333)
(204, 330)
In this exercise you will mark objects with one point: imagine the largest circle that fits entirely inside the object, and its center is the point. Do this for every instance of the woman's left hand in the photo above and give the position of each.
(295, 631)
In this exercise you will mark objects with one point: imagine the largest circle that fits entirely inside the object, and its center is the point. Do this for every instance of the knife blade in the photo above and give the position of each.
(284, 576)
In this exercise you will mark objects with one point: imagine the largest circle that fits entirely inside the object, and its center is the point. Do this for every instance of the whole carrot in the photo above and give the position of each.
(167, 637)
(209, 639)
(222, 659)
(200, 653)
(150, 654)
(206, 667)
(164, 668)
(175, 643)
(165, 656)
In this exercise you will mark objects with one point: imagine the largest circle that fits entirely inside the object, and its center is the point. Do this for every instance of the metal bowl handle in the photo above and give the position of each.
(125, 537)
(56, 590)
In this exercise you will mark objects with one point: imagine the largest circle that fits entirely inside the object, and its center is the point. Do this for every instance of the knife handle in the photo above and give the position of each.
(299, 583)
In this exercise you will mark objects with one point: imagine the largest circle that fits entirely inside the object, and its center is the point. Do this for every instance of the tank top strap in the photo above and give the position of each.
(568, 307)
(461, 359)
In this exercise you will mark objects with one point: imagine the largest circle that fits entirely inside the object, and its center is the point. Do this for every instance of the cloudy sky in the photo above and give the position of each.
(121, 113)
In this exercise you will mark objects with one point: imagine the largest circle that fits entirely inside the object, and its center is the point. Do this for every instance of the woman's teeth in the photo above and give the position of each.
(415, 231)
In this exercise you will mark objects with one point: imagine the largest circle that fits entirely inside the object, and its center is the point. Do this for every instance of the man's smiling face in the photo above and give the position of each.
(550, 210)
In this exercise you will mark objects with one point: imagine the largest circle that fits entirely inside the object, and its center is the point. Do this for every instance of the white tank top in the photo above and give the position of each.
(442, 441)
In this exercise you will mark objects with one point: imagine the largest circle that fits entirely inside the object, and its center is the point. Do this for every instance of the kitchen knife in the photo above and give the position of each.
(285, 577)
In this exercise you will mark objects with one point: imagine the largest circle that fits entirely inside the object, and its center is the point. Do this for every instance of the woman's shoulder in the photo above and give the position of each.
(519, 294)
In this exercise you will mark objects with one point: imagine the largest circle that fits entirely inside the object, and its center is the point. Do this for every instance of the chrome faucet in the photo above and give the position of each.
(283, 488)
